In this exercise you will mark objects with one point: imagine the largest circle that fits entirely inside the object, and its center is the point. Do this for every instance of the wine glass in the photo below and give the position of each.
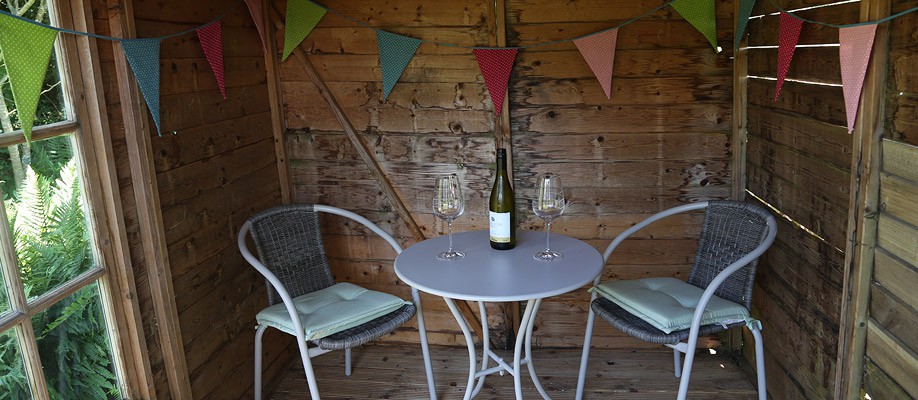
(449, 204)
(548, 204)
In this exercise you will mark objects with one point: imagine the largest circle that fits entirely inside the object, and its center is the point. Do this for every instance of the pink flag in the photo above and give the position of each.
(599, 52)
(789, 34)
(854, 54)
(495, 65)
(258, 17)
(212, 43)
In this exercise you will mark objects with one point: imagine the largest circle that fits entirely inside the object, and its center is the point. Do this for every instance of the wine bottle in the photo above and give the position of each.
(502, 210)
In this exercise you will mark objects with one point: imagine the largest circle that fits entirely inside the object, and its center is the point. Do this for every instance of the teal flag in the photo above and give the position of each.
(699, 13)
(302, 17)
(143, 56)
(395, 52)
(742, 19)
(26, 49)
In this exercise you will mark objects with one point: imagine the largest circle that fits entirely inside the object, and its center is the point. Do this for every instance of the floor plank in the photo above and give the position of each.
(385, 371)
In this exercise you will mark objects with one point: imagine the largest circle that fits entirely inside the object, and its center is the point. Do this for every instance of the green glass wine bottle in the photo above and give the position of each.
(502, 210)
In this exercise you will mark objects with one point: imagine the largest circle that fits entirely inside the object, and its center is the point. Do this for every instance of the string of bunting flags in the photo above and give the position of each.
(27, 47)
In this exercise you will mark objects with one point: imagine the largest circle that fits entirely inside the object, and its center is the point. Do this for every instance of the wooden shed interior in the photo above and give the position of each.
(685, 122)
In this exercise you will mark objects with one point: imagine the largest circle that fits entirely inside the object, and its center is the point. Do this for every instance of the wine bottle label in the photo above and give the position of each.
(500, 227)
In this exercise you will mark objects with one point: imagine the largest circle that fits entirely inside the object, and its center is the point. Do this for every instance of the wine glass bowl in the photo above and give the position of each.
(548, 204)
(448, 203)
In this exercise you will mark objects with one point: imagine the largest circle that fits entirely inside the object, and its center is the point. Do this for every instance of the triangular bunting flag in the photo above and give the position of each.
(495, 65)
(787, 43)
(742, 19)
(26, 50)
(143, 57)
(699, 13)
(854, 54)
(212, 42)
(258, 17)
(395, 52)
(302, 17)
(599, 52)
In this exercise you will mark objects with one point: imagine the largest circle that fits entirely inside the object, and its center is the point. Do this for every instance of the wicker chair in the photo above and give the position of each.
(733, 236)
(292, 258)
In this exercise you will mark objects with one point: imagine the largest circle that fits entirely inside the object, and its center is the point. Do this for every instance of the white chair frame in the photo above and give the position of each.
(306, 353)
(685, 372)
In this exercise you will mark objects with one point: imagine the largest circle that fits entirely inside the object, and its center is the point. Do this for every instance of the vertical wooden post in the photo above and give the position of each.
(149, 213)
(277, 107)
(738, 141)
(862, 211)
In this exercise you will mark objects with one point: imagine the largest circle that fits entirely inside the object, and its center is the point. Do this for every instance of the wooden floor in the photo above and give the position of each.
(396, 372)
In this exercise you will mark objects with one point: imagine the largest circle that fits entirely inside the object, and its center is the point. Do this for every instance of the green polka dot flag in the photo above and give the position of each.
(395, 52)
(699, 13)
(27, 49)
(302, 17)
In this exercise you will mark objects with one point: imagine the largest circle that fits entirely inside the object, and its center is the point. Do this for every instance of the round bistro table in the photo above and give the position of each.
(488, 275)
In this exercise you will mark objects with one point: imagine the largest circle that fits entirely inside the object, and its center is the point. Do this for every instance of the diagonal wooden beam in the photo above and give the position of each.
(369, 159)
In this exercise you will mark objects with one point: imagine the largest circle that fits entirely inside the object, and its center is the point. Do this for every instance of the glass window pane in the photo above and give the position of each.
(74, 348)
(12, 371)
(4, 298)
(51, 104)
(44, 202)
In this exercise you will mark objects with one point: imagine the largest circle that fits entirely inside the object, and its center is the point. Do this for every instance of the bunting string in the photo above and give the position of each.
(879, 21)
(97, 36)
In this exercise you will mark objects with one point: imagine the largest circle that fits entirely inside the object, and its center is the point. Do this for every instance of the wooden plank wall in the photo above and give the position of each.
(799, 161)
(662, 140)
(216, 169)
(892, 341)
(891, 361)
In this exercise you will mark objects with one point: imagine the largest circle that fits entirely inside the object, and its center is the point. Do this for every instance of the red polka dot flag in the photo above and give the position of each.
(495, 65)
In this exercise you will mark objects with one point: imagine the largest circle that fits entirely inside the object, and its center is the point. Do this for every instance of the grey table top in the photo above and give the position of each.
(486, 274)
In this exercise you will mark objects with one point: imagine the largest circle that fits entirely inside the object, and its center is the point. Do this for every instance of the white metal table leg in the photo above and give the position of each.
(532, 373)
(485, 344)
(470, 343)
(528, 315)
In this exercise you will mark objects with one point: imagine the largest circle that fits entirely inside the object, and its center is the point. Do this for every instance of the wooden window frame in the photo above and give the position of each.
(88, 124)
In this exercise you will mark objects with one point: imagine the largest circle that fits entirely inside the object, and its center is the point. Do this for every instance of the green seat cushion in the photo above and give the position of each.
(331, 310)
(668, 303)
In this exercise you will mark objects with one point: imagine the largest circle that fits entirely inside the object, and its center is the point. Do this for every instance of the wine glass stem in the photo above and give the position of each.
(449, 232)
(547, 234)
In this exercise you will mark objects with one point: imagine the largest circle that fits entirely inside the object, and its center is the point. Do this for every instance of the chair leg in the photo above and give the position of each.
(259, 332)
(677, 362)
(687, 366)
(307, 366)
(425, 349)
(347, 361)
(760, 362)
(585, 356)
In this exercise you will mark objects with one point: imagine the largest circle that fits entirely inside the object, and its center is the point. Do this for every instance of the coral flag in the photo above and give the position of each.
(742, 19)
(257, 16)
(27, 49)
(302, 17)
(699, 13)
(495, 65)
(854, 54)
(395, 52)
(599, 52)
(787, 43)
(212, 42)
(143, 57)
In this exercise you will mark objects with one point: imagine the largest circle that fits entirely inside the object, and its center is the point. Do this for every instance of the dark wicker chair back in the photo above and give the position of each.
(731, 230)
(289, 243)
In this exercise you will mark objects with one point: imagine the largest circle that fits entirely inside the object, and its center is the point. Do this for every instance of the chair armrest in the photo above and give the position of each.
(363, 221)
